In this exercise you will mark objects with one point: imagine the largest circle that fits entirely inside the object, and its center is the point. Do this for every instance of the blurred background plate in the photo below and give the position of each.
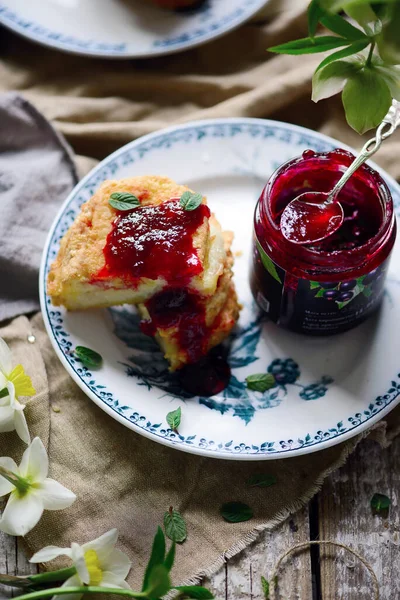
(123, 28)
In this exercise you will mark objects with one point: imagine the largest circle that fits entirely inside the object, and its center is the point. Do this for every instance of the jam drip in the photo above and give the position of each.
(153, 242)
(179, 308)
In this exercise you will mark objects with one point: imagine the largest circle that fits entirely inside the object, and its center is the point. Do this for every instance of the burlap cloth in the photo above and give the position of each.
(121, 479)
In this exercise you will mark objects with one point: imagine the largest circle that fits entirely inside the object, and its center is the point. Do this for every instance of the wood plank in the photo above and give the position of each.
(12, 562)
(346, 516)
(240, 578)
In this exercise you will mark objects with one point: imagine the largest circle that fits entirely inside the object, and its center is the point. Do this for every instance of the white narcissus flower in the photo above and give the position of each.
(13, 383)
(31, 491)
(97, 563)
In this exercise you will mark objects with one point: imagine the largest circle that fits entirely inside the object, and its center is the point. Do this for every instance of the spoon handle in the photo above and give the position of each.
(385, 130)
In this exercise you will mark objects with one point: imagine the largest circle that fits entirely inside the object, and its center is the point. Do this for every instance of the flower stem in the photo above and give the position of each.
(3, 392)
(19, 482)
(81, 590)
(49, 576)
(371, 51)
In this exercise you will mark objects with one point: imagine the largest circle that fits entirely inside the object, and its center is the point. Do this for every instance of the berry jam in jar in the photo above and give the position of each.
(332, 285)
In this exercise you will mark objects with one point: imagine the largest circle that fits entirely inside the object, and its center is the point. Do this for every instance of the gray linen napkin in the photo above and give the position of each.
(36, 174)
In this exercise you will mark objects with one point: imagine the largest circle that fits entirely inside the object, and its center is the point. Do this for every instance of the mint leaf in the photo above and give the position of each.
(364, 85)
(123, 201)
(265, 587)
(343, 28)
(236, 512)
(156, 557)
(170, 558)
(352, 49)
(89, 358)
(389, 40)
(194, 591)
(260, 382)
(267, 262)
(391, 75)
(175, 526)
(380, 503)
(159, 583)
(262, 480)
(332, 78)
(314, 13)
(174, 418)
(310, 45)
(190, 200)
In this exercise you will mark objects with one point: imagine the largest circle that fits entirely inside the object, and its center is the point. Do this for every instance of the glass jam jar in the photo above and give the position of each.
(332, 285)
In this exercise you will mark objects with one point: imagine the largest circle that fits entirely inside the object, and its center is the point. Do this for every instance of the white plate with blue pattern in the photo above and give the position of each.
(328, 389)
(123, 28)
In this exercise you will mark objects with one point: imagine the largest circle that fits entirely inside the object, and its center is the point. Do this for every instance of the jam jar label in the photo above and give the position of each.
(311, 306)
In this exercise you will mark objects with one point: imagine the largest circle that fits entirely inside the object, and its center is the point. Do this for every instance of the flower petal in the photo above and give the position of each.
(78, 556)
(11, 392)
(6, 419)
(35, 462)
(50, 553)
(112, 580)
(5, 358)
(55, 496)
(21, 514)
(22, 382)
(103, 545)
(21, 426)
(5, 486)
(73, 581)
(117, 563)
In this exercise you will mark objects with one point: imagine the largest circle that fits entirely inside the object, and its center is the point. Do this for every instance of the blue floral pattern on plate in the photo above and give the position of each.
(143, 364)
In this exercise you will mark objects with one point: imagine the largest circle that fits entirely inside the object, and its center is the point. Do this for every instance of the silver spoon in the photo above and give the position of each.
(314, 216)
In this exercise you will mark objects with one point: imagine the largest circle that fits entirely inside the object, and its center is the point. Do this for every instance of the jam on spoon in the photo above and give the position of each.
(314, 216)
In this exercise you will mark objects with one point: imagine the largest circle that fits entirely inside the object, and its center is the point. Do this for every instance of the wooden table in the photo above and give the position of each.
(340, 512)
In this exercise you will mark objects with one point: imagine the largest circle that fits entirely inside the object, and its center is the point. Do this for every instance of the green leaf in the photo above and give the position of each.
(320, 293)
(391, 75)
(159, 582)
(156, 557)
(314, 14)
(389, 39)
(353, 49)
(367, 292)
(332, 78)
(174, 418)
(265, 587)
(4, 392)
(89, 358)
(380, 503)
(365, 16)
(175, 526)
(267, 262)
(18, 582)
(334, 6)
(195, 591)
(190, 200)
(170, 558)
(260, 382)
(123, 201)
(314, 285)
(236, 512)
(366, 99)
(339, 25)
(262, 481)
(310, 45)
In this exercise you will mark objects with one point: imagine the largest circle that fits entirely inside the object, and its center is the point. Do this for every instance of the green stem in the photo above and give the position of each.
(49, 576)
(371, 51)
(19, 482)
(81, 590)
(3, 392)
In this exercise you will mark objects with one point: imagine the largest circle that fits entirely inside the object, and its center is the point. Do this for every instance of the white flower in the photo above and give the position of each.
(13, 383)
(31, 491)
(97, 563)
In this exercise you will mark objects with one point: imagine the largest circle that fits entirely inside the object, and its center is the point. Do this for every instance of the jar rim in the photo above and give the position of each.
(346, 258)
